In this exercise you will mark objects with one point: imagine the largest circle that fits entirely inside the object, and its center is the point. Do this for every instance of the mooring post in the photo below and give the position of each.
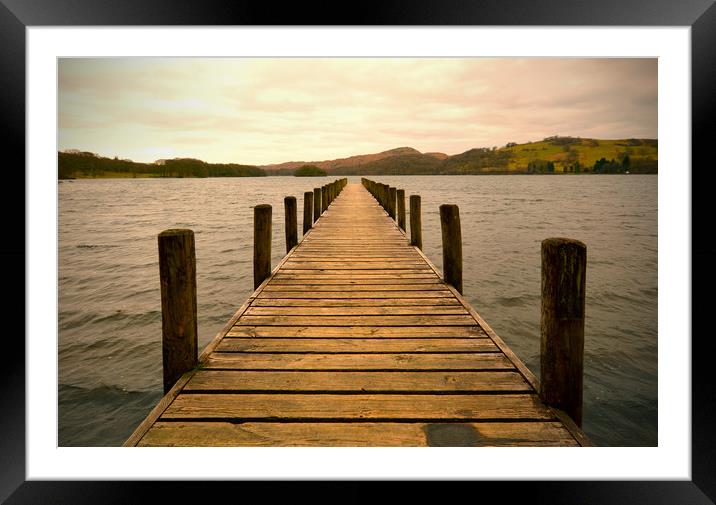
(307, 211)
(401, 208)
(291, 221)
(452, 245)
(564, 264)
(416, 232)
(177, 276)
(392, 196)
(316, 204)
(262, 243)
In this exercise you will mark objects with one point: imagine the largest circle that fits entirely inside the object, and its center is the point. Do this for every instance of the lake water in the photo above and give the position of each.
(109, 342)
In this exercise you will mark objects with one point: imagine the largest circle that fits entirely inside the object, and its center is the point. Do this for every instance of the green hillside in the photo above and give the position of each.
(551, 155)
(567, 152)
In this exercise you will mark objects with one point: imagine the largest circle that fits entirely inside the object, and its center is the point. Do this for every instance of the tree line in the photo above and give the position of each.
(87, 164)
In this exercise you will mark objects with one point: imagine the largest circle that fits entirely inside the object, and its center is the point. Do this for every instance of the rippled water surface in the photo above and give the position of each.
(110, 373)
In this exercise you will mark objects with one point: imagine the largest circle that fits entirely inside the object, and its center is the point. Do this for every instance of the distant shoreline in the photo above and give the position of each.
(566, 174)
(552, 155)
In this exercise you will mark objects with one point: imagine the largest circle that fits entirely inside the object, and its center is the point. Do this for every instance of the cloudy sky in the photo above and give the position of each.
(261, 111)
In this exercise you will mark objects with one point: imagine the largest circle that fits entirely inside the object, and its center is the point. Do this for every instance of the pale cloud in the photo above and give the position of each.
(261, 111)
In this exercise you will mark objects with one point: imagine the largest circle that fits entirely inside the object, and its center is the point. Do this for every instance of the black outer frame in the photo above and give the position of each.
(700, 15)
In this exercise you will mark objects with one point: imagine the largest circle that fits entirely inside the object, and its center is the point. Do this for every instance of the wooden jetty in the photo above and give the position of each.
(355, 339)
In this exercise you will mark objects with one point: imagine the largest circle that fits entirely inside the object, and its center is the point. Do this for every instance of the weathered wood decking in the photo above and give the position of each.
(355, 340)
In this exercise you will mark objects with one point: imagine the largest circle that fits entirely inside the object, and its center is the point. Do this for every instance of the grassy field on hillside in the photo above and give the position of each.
(587, 151)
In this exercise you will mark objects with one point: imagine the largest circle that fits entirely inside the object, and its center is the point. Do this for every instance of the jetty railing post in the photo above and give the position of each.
(177, 276)
(564, 263)
(401, 208)
(316, 204)
(262, 243)
(392, 196)
(324, 198)
(307, 211)
(452, 245)
(416, 232)
(291, 222)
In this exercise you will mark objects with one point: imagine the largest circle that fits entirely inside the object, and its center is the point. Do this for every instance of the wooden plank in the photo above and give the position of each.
(348, 275)
(259, 361)
(317, 281)
(356, 331)
(253, 406)
(355, 265)
(366, 382)
(343, 271)
(357, 294)
(342, 345)
(357, 311)
(364, 302)
(407, 320)
(341, 258)
(351, 288)
(414, 434)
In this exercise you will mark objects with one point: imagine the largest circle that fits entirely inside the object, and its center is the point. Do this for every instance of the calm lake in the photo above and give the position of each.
(109, 342)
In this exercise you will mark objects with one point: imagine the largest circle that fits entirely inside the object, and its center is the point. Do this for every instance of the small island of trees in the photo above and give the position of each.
(309, 171)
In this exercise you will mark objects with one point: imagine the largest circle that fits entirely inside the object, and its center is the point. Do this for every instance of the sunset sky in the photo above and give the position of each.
(260, 110)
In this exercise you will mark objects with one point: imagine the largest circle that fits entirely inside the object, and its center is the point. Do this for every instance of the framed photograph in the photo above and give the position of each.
(58, 59)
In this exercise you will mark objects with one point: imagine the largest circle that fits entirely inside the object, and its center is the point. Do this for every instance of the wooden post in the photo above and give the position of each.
(316, 204)
(401, 208)
(452, 245)
(177, 276)
(307, 211)
(392, 196)
(324, 198)
(416, 232)
(291, 220)
(564, 264)
(262, 243)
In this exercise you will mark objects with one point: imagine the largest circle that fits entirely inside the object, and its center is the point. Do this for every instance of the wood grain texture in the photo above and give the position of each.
(355, 339)
(254, 406)
(423, 361)
(262, 243)
(290, 207)
(354, 303)
(361, 345)
(368, 434)
(564, 263)
(356, 382)
(177, 279)
(307, 211)
(402, 310)
(356, 331)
